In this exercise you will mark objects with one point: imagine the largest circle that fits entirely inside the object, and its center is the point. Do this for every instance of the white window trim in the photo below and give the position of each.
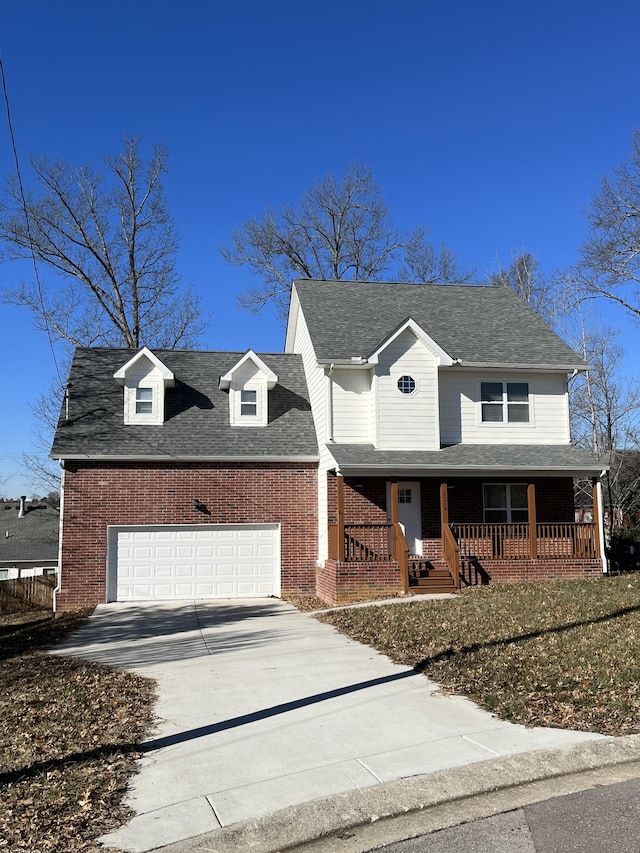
(404, 393)
(505, 423)
(260, 417)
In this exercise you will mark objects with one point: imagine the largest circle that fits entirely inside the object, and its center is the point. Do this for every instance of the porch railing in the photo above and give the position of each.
(518, 541)
(362, 543)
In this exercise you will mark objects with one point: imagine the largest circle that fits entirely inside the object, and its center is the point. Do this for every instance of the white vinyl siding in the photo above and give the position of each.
(351, 391)
(407, 421)
(461, 409)
(317, 385)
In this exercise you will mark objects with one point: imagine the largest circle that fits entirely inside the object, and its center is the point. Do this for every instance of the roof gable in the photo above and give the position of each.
(249, 357)
(476, 325)
(138, 360)
(442, 358)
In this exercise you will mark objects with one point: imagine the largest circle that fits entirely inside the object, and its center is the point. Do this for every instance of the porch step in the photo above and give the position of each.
(429, 577)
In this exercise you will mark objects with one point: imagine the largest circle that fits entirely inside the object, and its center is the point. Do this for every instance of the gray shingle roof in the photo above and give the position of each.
(478, 324)
(470, 458)
(196, 411)
(30, 538)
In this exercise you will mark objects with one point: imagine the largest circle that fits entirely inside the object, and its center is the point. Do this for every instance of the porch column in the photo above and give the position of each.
(340, 515)
(444, 505)
(398, 552)
(533, 524)
(393, 490)
(597, 519)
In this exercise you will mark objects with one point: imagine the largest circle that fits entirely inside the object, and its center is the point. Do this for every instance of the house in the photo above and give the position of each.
(443, 427)
(409, 438)
(29, 533)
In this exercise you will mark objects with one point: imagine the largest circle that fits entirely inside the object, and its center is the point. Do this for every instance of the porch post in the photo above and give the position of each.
(340, 516)
(597, 519)
(397, 542)
(533, 524)
(444, 505)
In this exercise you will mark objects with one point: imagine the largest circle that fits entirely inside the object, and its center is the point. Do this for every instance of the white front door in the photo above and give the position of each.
(410, 514)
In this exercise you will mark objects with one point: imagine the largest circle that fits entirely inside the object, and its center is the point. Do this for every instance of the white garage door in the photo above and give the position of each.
(186, 562)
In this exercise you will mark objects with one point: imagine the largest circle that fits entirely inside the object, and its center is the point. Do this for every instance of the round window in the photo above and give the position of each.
(406, 384)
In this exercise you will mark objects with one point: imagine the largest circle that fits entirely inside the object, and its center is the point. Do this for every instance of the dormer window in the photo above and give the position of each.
(248, 403)
(248, 383)
(144, 401)
(144, 378)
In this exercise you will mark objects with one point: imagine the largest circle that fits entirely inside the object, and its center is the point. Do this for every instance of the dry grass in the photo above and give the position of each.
(68, 735)
(562, 653)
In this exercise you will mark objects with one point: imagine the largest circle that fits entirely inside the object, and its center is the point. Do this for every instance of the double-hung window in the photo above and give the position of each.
(505, 402)
(248, 403)
(144, 401)
(505, 502)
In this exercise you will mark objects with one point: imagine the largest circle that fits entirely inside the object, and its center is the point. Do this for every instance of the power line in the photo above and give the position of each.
(28, 221)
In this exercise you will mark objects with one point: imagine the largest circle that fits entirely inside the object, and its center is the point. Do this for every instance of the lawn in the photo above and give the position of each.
(68, 735)
(562, 653)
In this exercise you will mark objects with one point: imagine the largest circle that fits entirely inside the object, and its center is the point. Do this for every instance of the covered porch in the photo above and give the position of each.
(412, 532)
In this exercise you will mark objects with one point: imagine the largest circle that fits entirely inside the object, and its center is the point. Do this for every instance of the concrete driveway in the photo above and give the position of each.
(262, 707)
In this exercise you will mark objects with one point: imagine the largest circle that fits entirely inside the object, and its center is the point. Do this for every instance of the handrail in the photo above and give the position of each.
(400, 552)
(451, 554)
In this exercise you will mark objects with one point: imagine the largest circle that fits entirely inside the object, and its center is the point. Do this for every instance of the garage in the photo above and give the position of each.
(161, 563)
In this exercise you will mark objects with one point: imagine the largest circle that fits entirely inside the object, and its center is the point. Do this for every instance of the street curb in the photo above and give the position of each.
(341, 822)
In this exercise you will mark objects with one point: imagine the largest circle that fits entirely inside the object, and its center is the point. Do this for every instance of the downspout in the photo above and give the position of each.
(58, 585)
(600, 523)
(330, 404)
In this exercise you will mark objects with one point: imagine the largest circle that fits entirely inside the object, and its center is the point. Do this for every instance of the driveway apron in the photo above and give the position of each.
(262, 707)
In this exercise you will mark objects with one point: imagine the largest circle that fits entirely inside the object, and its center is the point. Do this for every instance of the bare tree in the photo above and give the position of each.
(610, 257)
(605, 417)
(423, 263)
(112, 245)
(525, 277)
(341, 229)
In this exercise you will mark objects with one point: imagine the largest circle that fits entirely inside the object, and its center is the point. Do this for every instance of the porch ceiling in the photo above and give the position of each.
(467, 459)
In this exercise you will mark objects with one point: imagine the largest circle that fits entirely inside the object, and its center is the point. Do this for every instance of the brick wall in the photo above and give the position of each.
(97, 495)
(519, 571)
(343, 583)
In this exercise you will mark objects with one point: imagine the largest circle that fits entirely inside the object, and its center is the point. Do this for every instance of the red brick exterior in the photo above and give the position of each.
(99, 494)
(344, 583)
(365, 502)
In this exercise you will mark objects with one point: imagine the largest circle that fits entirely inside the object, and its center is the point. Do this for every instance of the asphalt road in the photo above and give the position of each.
(597, 820)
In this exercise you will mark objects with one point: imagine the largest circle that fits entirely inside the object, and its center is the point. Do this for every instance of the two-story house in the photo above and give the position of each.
(443, 426)
(410, 438)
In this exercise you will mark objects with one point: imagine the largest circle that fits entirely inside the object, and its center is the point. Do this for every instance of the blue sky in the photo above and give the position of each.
(491, 123)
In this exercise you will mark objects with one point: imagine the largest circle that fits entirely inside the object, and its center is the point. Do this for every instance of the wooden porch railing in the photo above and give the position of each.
(370, 543)
(517, 541)
(362, 543)
(451, 554)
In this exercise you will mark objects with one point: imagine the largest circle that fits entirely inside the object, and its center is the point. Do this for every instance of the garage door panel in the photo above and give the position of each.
(212, 561)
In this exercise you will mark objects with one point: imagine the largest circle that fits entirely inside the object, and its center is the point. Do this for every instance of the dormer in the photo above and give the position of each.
(145, 379)
(249, 382)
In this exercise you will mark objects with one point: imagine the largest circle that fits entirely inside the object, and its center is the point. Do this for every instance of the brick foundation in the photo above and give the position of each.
(344, 583)
(97, 495)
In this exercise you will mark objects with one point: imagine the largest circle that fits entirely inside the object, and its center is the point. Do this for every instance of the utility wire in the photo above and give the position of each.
(28, 222)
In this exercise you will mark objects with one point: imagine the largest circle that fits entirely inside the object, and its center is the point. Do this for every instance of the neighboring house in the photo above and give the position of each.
(409, 437)
(29, 532)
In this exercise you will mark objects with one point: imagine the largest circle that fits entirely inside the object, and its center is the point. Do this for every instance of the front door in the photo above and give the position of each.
(410, 515)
